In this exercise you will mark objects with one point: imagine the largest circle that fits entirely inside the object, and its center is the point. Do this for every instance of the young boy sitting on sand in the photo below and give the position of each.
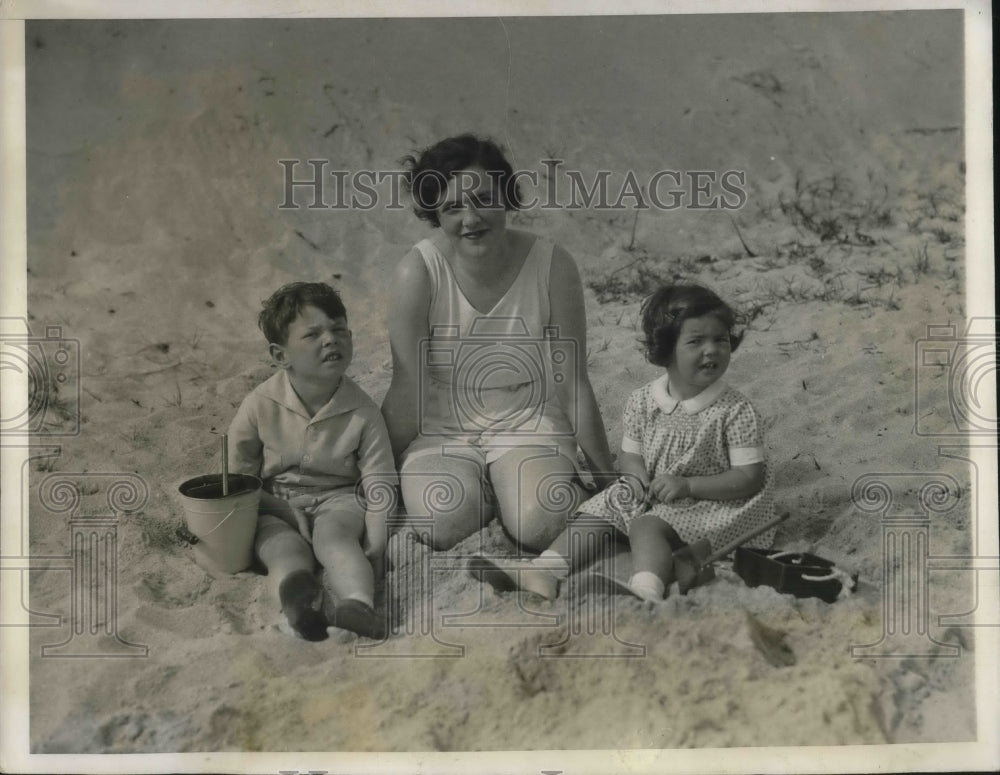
(321, 447)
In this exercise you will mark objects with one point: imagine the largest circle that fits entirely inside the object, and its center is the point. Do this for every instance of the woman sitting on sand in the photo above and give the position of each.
(490, 394)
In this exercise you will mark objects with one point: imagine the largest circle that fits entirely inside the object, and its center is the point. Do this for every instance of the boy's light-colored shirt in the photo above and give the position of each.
(272, 436)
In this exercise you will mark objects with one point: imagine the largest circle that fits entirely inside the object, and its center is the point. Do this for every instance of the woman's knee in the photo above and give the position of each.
(446, 533)
(538, 479)
(435, 484)
(427, 496)
(536, 521)
(533, 526)
(453, 500)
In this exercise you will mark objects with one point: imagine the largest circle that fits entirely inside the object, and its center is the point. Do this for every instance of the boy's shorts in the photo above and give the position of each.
(322, 504)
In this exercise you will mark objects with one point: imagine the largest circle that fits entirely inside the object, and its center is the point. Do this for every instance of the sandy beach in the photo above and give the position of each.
(155, 229)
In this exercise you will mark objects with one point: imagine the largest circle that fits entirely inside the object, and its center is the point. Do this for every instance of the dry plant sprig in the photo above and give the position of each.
(831, 209)
(921, 260)
(743, 242)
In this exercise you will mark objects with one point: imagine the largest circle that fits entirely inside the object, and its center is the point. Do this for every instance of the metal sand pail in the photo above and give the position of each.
(224, 524)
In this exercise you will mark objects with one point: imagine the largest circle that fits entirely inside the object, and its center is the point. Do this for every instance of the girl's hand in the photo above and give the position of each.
(668, 487)
(641, 494)
(737, 482)
(633, 468)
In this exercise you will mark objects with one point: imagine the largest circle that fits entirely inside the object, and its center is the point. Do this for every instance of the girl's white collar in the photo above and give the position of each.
(691, 405)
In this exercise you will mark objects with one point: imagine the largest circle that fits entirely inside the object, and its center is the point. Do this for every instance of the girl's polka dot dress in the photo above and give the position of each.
(701, 436)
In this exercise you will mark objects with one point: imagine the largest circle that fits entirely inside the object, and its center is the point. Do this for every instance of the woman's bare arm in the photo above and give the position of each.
(568, 314)
(409, 305)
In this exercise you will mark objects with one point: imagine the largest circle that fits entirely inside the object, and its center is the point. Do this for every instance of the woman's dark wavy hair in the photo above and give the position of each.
(428, 173)
(287, 302)
(664, 312)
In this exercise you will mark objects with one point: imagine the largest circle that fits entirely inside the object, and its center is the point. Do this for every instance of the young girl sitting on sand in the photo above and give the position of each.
(692, 456)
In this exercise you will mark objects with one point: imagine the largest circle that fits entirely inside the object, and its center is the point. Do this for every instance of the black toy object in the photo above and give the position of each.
(796, 573)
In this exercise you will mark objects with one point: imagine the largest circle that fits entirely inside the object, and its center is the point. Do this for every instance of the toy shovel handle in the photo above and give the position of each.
(744, 538)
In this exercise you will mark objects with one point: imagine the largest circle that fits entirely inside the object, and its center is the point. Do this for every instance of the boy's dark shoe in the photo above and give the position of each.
(300, 595)
(358, 617)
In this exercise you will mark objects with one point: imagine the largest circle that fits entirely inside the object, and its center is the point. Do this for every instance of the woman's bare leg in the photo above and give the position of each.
(537, 492)
(448, 489)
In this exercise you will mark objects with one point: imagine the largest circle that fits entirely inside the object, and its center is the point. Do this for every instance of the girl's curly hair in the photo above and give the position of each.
(664, 312)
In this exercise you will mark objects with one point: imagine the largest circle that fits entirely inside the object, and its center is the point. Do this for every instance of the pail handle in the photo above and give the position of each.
(219, 523)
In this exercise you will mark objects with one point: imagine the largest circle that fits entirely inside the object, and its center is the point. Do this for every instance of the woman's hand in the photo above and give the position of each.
(604, 479)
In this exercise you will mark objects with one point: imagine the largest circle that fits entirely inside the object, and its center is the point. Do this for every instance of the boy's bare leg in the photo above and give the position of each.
(289, 562)
(337, 537)
(337, 543)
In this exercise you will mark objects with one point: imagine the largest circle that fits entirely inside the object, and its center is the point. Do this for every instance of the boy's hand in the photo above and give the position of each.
(668, 487)
(283, 510)
(301, 523)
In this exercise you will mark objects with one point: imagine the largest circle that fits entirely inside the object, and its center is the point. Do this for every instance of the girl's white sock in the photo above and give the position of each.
(647, 585)
(552, 562)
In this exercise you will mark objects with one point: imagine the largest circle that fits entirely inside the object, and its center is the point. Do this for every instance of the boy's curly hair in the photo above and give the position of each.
(287, 302)
(664, 312)
(428, 172)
